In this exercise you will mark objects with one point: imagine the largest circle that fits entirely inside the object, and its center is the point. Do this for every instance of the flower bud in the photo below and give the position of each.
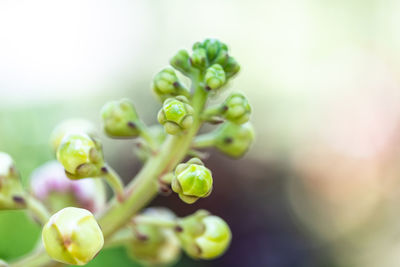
(181, 62)
(204, 236)
(192, 181)
(72, 236)
(81, 156)
(215, 77)
(176, 115)
(11, 191)
(166, 84)
(213, 47)
(199, 58)
(120, 119)
(234, 139)
(236, 108)
(71, 126)
(52, 187)
(153, 245)
(231, 67)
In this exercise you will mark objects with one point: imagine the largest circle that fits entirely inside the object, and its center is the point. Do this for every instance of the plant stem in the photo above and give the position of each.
(156, 221)
(204, 141)
(114, 180)
(38, 210)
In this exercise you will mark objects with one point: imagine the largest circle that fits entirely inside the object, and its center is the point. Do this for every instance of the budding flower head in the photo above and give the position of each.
(236, 108)
(215, 77)
(120, 119)
(11, 191)
(154, 245)
(176, 115)
(69, 126)
(234, 139)
(192, 180)
(81, 156)
(72, 236)
(204, 236)
(50, 185)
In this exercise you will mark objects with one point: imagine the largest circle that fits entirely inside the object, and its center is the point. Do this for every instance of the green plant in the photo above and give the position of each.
(155, 236)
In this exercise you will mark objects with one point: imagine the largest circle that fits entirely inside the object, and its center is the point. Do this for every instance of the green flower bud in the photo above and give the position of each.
(231, 67)
(192, 181)
(233, 139)
(236, 108)
(181, 62)
(120, 119)
(153, 245)
(176, 115)
(215, 77)
(199, 58)
(166, 84)
(11, 191)
(72, 236)
(204, 236)
(213, 47)
(81, 156)
(71, 126)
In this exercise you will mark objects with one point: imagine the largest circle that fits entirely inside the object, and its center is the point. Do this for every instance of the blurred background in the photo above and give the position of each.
(321, 185)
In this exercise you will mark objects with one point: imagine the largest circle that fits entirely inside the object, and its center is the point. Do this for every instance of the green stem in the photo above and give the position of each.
(204, 141)
(155, 221)
(146, 136)
(37, 258)
(115, 181)
(38, 210)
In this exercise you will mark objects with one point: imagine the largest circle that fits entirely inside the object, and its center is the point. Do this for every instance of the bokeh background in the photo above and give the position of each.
(321, 185)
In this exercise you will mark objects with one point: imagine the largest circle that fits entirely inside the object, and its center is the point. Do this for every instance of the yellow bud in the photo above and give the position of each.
(72, 236)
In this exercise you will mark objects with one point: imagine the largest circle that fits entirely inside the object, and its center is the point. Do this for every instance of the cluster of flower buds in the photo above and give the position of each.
(210, 57)
(50, 185)
(192, 180)
(11, 191)
(176, 115)
(204, 236)
(153, 245)
(72, 236)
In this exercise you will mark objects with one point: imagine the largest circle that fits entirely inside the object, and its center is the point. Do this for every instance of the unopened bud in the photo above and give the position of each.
(204, 236)
(166, 84)
(81, 156)
(11, 191)
(181, 62)
(192, 180)
(215, 77)
(120, 119)
(234, 139)
(72, 236)
(236, 108)
(154, 245)
(71, 126)
(176, 115)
